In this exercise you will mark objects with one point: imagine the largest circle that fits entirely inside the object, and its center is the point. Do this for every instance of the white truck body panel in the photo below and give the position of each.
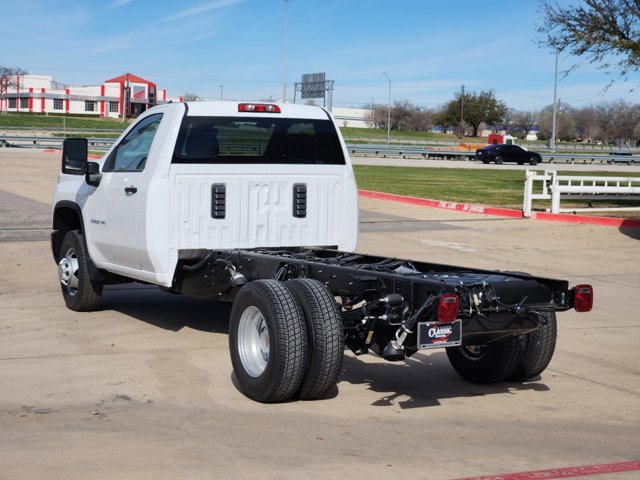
(142, 235)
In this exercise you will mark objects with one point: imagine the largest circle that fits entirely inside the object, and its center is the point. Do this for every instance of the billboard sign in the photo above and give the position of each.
(313, 85)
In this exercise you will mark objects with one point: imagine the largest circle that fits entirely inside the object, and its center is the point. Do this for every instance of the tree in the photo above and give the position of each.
(190, 97)
(475, 108)
(617, 121)
(519, 124)
(8, 77)
(565, 122)
(587, 125)
(607, 32)
(404, 116)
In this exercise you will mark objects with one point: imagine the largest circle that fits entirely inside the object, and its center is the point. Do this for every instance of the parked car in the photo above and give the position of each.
(507, 153)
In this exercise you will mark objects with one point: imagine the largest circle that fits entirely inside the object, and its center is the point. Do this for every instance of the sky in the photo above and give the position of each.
(236, 48)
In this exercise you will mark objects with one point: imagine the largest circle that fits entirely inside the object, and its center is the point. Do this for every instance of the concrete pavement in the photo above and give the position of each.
(144, 388)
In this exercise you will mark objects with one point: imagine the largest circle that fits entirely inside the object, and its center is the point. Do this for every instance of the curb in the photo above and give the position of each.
(502, 212)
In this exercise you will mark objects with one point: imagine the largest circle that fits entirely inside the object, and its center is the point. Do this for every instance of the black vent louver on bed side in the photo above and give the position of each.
(300, 200)
(218, 200)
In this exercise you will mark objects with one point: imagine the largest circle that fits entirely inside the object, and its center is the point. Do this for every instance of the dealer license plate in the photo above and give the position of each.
(439, 334)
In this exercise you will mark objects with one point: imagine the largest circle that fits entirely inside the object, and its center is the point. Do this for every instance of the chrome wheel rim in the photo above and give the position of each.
(68, 271)
(253, 341)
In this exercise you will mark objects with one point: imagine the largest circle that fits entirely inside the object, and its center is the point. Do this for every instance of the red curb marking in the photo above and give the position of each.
(502, 212)
(570, 472)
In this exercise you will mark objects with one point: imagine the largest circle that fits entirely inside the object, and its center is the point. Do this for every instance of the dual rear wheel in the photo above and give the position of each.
(286, 340)
(516, 359)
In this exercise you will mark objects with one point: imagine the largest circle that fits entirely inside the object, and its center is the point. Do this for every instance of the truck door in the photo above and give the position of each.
(115, 208)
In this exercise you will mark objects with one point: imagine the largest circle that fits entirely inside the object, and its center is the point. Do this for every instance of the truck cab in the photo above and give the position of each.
(191, 177)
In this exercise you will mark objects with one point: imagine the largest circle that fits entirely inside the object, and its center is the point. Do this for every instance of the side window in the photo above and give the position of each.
(131, 154)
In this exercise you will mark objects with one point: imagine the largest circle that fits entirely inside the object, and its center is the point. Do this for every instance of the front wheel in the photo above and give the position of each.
(533, 160)
(267, 341)
(80, 293)
(487, 363)
(499, 160)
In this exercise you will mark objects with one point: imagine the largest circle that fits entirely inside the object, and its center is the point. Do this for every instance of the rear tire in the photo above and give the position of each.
(325, 335)
(80, 293)
(499, 160)
(267, 341)
(539, 347)
(487, 363)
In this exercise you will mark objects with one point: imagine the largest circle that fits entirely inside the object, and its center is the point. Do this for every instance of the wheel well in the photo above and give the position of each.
(65, 219)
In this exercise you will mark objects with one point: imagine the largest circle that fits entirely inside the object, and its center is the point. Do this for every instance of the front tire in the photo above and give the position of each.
(80, 293)
(267, 341)
(539, 347)
(499, 160)
(487, 363)
(325, 334)
(533, 160)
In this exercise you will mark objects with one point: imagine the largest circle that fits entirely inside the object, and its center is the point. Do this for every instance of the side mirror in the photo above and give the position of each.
(74, 156)
(93, 175)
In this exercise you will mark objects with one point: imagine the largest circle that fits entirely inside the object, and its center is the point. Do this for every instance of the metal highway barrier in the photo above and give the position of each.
(361, 150)
(19, 141)
(411, 151)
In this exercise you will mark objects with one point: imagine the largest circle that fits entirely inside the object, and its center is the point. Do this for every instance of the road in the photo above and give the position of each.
(431, 163)
(144, 388)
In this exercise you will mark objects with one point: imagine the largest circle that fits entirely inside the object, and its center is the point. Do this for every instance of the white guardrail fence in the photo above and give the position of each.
(556, 187)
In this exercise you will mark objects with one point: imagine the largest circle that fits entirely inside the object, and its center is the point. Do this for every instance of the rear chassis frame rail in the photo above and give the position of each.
(383, 297)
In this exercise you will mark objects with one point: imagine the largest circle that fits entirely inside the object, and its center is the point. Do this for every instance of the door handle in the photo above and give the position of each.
(130, 190)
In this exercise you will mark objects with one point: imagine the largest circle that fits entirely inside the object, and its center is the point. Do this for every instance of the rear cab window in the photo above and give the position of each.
(262, 140)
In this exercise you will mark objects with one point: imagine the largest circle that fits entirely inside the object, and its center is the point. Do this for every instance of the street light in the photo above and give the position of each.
(220, 92)
(554, 126)
(388, 110)
(284, 55)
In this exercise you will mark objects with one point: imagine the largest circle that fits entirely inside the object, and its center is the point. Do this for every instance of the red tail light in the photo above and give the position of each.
(583, 298)
(258, 108)
(448, 307)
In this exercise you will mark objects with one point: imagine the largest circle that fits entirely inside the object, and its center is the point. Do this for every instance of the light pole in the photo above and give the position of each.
(554, 126)
(220, 92)
(284, 57)
(388, 110)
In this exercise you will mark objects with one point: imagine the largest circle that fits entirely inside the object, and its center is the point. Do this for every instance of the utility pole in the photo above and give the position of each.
(388, 110)
(461, 111)
(284, 59)
(554, 126)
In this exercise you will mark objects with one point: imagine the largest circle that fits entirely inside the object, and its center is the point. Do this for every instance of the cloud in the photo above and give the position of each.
(202, 8)
(119, 3)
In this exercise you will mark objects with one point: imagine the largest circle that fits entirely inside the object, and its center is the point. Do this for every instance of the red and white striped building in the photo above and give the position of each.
(42, 94)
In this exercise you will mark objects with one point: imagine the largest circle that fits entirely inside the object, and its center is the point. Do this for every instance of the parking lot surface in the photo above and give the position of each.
(144, 388)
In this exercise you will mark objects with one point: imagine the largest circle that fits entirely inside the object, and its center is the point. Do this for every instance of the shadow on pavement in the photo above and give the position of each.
(421, 381)
(631, 232)
(167, 310)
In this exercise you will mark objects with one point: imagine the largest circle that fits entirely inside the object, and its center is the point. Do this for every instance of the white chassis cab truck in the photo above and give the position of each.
(257, 204)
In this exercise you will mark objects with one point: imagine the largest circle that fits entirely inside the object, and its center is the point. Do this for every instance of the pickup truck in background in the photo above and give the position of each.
(257, 204)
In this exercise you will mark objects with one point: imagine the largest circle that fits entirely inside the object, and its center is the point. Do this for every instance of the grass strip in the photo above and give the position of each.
(491, 187)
